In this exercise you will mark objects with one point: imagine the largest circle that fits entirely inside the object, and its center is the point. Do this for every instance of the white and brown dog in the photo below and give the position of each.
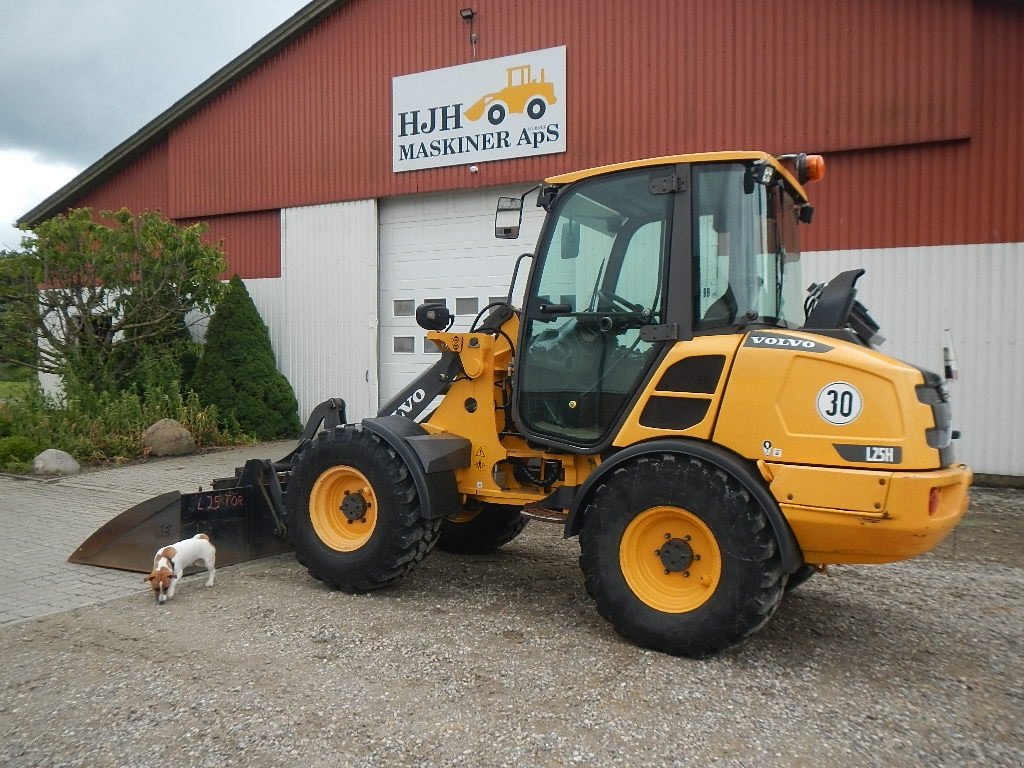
(170, 563)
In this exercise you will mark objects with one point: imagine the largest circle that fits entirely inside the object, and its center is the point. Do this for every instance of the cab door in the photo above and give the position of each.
(599, 278)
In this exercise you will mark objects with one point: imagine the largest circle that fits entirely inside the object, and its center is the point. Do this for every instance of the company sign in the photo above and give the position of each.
(488, 110)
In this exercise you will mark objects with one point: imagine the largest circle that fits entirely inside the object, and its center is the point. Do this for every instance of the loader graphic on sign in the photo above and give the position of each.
(521, 94)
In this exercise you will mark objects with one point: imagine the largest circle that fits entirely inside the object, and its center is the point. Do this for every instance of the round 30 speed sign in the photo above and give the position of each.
(839, 403)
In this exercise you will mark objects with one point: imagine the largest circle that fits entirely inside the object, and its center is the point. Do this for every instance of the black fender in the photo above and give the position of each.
(431, 459)
(727, 461)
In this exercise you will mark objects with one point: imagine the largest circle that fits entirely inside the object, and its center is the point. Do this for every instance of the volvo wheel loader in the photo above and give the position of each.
(667, 391)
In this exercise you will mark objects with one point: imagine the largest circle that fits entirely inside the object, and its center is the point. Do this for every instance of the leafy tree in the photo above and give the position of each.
(92, 301)
(17, 341)
(238, 374)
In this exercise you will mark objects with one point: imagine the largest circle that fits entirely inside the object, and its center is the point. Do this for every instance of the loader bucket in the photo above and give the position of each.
(243, 515)
(238, 515)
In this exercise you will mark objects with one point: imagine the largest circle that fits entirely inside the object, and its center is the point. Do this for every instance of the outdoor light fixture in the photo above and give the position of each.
(468, 14)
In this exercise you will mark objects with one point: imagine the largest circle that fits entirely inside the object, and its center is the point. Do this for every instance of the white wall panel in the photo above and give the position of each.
(975, 291)
(322, 311)
(441, 246)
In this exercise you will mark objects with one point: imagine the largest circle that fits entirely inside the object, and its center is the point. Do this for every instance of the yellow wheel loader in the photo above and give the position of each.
(522, 93)
(668, 391)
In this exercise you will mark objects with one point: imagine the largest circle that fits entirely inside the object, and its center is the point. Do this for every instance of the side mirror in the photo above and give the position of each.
(433, 317)
(569, 246)
(508, 218)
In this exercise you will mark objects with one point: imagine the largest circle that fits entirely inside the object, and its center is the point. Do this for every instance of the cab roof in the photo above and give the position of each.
(696, 157)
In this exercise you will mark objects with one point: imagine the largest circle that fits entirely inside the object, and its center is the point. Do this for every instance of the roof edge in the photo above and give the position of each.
(161, 125)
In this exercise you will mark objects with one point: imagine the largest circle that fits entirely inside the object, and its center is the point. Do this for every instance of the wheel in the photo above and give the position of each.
(354, 513)
(482, 530)
(679, 557)
(536, 108)
(496, 113)
(799, 576)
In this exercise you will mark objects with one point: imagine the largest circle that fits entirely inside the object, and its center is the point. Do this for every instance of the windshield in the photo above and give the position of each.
(747, 265)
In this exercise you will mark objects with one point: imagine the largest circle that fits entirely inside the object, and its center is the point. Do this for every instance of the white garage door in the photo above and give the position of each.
(442, 248)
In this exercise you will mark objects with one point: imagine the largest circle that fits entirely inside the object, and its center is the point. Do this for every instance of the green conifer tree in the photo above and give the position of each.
(238, 373)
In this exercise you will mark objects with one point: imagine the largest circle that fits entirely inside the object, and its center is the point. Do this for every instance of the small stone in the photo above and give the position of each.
(54, 462)
(167, 437)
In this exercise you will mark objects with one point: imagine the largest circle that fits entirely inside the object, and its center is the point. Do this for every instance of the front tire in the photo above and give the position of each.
(354, 515)
(679, 557)
(800, 576)
(480, 531)
(496, 113)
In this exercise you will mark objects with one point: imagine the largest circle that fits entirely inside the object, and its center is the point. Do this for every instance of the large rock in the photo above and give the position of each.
(54, 462)
(168, 438)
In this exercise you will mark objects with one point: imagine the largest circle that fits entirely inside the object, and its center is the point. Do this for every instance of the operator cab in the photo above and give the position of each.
(636, 257)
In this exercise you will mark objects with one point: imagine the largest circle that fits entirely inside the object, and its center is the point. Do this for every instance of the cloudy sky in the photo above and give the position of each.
(78, 78)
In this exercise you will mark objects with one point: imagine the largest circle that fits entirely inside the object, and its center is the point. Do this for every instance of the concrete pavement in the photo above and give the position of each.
(44, 521)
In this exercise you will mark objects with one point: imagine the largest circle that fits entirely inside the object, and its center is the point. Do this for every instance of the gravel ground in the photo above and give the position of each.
(502, 660)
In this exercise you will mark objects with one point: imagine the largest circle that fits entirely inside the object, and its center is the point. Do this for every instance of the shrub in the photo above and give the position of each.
(237, 372)
(16, 453)
(108, 426)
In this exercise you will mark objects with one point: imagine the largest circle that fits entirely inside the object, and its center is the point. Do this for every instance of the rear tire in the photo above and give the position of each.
(483, 530)
(536, 108)
(354, 515)
(679, 557)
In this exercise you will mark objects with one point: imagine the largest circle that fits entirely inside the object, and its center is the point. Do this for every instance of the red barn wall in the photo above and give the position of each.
(916, 104)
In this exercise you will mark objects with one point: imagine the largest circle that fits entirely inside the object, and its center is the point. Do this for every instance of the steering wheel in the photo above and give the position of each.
(617, 301)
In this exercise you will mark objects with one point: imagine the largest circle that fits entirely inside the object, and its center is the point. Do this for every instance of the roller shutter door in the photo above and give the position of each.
(440, 247)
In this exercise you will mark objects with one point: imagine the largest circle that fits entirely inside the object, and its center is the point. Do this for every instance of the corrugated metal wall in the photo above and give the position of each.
(917, 102)
(917, 293)
(251, 242)
(322, 314)
(141, 186)
(657, 76)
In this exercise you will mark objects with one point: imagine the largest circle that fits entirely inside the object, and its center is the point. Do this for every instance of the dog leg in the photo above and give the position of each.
(210, 561)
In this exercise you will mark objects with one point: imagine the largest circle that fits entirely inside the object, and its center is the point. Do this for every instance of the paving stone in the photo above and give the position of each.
(44, 521)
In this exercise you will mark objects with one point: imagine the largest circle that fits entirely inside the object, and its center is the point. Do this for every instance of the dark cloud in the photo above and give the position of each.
(78, 78)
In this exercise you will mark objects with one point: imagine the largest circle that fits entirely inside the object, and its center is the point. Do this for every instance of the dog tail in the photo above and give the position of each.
(201, 536)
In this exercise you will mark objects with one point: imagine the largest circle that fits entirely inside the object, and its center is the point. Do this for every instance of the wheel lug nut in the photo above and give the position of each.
(696, 557)
(686, 537)
(668, 536)
(667, 571)
(657, 553)
(686, 574)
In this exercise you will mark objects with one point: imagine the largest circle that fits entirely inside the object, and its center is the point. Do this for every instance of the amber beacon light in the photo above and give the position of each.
(810, 168)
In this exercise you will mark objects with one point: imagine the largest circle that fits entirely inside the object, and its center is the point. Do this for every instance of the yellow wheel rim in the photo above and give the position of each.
(670, 559)
(343, 509)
